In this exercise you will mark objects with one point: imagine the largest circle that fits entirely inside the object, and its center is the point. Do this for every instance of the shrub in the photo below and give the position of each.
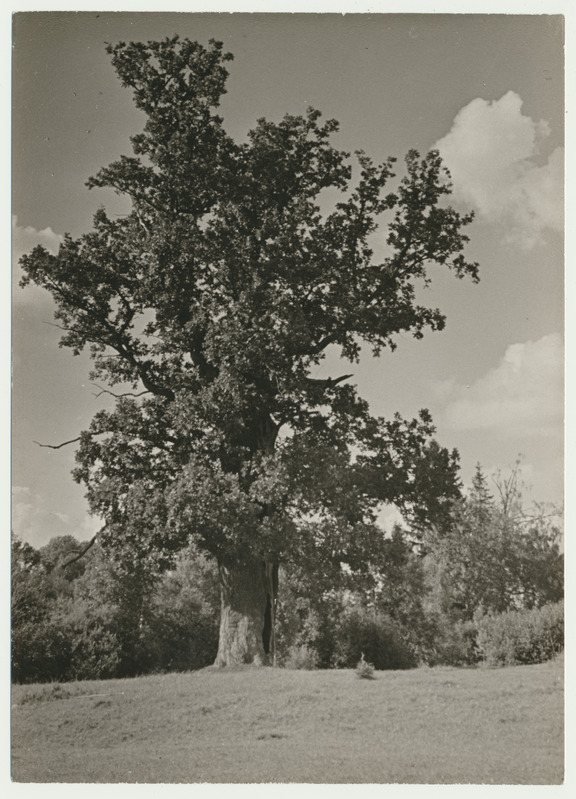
(454, 643)
(95, 649)
(521, 636)
(181, 638)
(301, 657)
(364, 670)
(41, 652)
(374, 634)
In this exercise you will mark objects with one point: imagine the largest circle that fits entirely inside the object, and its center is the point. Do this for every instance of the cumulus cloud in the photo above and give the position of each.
(21, 507)
(31, 520)
(523, 394)
(24, 239)
(35, 522)
(492, 152)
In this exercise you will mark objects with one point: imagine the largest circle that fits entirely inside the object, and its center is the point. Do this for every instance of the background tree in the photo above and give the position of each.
(494, 555)
(26, 574)
(181, 630)
(59, 557)
(105, 620)
(40, 647)
(379, 611)
(212, 302)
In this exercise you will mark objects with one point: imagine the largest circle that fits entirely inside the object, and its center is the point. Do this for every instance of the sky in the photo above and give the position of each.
(486, 90)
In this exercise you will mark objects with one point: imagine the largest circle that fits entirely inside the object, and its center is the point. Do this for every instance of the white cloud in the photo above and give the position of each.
(35, 522)
(31, 520)
(522, 395)
(21, 508)
(492, 153)
(24, 239)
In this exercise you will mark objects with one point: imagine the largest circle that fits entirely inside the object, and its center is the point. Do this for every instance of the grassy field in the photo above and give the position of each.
(502, 726)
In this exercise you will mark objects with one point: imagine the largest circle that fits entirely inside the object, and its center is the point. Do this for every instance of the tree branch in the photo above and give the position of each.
(327, 382)
(111, 337)
(322, 344)
(60, 327)
(58, 446)
(118, 396)
(85, 550)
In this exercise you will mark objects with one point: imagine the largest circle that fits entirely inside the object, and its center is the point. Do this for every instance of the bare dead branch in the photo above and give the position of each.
(118, 396)
(60, 327)
(58, 446)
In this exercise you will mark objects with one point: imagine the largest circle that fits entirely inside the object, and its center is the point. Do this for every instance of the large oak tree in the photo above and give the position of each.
(207, 310)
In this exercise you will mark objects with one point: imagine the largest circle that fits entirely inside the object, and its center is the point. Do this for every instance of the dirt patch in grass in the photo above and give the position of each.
(428, 726)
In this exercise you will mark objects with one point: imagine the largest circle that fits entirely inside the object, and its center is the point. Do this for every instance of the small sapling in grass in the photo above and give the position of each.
(364, 670)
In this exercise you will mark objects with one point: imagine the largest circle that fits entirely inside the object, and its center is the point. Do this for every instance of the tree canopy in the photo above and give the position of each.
(209, 306)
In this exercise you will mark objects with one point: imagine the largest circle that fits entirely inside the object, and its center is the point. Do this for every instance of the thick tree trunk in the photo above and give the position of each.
(248, 592)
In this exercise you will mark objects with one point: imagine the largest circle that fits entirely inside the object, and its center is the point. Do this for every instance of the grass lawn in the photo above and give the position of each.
(498, 726)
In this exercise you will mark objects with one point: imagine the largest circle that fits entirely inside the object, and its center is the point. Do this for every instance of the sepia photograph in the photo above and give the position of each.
(287, 462)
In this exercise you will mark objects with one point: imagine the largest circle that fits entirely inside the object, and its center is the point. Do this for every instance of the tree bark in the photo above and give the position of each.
(248, 593)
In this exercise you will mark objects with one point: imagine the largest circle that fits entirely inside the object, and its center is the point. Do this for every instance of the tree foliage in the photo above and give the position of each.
(494, 555)
(521, 636)
(105, 621)
(216, 297)
(211, 304)
(489, 586)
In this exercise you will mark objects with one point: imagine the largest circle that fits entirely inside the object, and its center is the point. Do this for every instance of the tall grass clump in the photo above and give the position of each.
(521, 636)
